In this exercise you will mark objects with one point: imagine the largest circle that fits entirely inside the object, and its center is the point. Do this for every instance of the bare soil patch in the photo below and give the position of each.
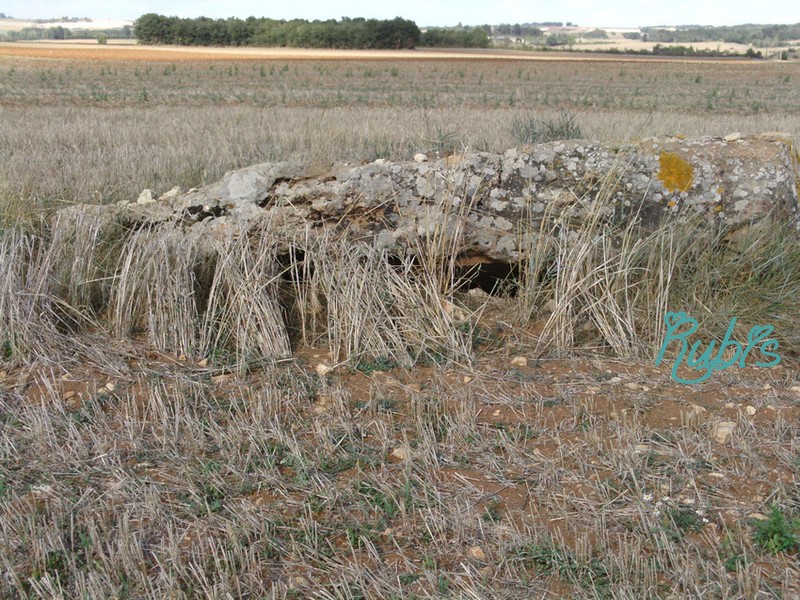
(590, 475)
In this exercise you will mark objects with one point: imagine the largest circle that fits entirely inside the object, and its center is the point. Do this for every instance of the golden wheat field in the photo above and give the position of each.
(493, 468)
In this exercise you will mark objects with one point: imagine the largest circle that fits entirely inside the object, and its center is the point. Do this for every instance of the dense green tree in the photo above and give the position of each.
(347, 33)
(597, 34)
(153, 29)
(455, 38)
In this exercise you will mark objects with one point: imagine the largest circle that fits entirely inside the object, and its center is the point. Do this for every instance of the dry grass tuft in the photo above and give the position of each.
(154, 290)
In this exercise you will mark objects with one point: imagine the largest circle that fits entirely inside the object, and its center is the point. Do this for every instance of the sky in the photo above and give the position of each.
(620, 13)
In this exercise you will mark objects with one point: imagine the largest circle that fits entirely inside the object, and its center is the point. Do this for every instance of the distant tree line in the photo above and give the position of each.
(358, 33)
(559, 39)
(519, 30)
(596, 34)
(659, 50)
(454, 37)
(62, 33)
(759, 35)
(64, 20)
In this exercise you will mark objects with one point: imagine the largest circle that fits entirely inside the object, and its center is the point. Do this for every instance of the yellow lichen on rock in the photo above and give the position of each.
(674, 172)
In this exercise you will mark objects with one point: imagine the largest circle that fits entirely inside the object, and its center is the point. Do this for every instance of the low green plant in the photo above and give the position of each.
(678, 521)
(549, 559)
(378, 499)
(380, 363)
(731, 554)
(778, 533)
(408, 578)
(492, 512)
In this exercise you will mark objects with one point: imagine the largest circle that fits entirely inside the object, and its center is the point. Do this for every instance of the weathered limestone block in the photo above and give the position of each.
(492, 201)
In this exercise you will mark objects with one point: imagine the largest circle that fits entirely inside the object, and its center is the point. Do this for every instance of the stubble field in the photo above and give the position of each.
(498, 471)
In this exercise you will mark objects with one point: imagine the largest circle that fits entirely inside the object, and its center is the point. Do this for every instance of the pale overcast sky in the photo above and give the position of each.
(622, 13)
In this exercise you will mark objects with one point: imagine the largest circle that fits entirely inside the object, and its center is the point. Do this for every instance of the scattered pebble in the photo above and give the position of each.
(298, 582)
(324, 401)
(420, 157)
(467, 379)
(750, 410)
(323, 369)
(477, 293)
(476, 553)
(400, 453)
(203, 363)
(110, 387)
(42, 490)
(722, 431)
(519, 361)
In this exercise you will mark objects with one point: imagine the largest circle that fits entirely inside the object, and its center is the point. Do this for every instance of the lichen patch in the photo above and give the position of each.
(674, 172)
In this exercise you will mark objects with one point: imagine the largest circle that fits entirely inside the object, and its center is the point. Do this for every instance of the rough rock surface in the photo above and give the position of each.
(494, 201)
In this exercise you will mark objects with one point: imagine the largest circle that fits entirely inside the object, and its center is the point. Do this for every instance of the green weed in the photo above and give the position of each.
(778, 533)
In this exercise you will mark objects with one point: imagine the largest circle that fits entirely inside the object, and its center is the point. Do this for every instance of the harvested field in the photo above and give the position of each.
(495, 466)
(126, 50)
(75, 130)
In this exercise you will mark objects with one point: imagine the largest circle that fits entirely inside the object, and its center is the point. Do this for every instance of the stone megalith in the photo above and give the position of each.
(493, 201)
